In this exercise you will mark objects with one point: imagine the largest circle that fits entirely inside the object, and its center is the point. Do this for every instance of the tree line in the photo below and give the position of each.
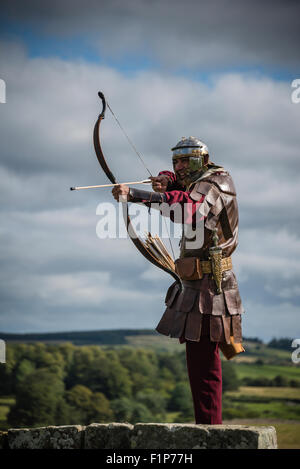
(114, 337)
(67, 384)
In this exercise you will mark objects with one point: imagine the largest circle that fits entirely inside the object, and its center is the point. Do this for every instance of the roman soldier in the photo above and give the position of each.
(204, 310)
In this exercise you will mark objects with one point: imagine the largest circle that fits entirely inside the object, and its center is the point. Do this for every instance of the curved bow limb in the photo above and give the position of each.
(132, 234)
(97, 146)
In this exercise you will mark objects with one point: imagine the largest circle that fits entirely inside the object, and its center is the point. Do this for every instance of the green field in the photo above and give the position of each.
(156, 342)
(267, 392)
(288, 435)
(288, 432)
(252, 370)
(277, 406)
(250, 405)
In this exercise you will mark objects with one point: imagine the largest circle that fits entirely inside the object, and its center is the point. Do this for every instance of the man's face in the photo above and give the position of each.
(180, 166)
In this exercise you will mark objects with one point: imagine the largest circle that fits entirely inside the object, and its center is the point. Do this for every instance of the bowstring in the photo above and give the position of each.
(144, 164)
(130, 142)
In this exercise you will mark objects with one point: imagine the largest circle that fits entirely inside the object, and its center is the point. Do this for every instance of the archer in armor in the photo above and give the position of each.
(204, 309)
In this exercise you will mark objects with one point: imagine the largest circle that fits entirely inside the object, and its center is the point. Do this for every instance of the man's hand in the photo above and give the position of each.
(159, 183)
(120, 193)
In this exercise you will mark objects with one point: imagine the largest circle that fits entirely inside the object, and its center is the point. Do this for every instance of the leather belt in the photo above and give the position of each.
(193, 268)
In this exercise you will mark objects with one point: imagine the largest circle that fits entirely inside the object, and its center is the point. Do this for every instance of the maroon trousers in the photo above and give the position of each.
(205, 376)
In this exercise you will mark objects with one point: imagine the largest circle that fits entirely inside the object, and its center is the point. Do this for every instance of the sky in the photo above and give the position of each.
(221, 71)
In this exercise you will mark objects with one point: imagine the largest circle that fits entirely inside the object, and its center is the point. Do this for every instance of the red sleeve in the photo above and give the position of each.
(189, 205)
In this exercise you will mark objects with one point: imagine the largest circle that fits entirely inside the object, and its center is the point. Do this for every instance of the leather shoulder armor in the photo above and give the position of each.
(207, 189)
(218, 196)
(223, 181)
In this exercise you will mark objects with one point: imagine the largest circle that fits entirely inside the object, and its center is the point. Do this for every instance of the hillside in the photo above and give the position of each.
(101, 337)
(148, 371)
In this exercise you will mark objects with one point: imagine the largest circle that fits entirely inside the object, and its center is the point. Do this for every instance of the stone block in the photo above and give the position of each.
(166, 436)
(108, 436)
(191, 436)
(60, 437)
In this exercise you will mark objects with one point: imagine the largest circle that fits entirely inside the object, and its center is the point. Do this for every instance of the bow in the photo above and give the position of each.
(153, 250)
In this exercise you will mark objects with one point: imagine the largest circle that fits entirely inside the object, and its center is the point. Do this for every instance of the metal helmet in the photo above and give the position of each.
(195, 150)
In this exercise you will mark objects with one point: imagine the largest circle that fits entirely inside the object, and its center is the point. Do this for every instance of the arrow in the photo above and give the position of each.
(145, 181)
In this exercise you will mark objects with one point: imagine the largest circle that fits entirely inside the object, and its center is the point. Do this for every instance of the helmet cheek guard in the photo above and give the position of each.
(196, 163)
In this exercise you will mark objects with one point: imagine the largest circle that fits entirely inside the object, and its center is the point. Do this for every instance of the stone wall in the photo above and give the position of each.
(140, 436)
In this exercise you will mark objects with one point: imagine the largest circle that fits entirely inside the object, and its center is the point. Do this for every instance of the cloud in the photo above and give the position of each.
(269, 321)
(214, 35)
(268, 252)
(285, 293)
(84, 290)
(55, 271)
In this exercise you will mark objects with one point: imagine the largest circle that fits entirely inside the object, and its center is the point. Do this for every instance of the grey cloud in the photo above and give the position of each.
(271, 320)
(177, 34)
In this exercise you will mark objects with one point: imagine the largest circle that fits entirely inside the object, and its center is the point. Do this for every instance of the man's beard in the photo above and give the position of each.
(181, 178)
(186, 178)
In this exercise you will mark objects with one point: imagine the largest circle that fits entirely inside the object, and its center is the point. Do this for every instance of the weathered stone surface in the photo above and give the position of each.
(188, 436)
(62, 437)
(267, 439)
(108, 436)
(141, 436)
